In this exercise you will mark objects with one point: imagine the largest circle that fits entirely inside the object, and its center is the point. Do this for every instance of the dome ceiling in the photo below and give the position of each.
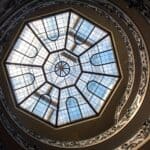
(62, 68)
(74, 75)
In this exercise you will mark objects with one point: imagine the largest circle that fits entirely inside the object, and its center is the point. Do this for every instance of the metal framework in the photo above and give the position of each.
(62, 68)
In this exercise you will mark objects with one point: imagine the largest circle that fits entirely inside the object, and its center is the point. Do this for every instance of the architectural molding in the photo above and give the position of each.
(139, 138)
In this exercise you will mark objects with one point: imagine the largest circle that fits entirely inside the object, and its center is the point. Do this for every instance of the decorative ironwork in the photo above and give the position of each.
(62, 69)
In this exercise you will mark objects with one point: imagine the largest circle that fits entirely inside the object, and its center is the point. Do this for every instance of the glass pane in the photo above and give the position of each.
(102, 58)
(51, 28)
(83, 32)
(73, 109)
(98, 89)
(40, 107)
(22, 80)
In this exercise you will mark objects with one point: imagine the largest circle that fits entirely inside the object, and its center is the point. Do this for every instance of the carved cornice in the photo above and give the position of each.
(138, 138)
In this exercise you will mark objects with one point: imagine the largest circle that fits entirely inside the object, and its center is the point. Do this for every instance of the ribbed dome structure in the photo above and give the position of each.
(74, 74)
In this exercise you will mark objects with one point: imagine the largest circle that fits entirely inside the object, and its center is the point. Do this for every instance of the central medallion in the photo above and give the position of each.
(62, 69)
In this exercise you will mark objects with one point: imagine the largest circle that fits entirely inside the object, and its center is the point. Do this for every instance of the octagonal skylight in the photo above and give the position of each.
(62, 68)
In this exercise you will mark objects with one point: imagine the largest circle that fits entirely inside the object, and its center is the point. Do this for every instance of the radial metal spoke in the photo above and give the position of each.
(102, 74)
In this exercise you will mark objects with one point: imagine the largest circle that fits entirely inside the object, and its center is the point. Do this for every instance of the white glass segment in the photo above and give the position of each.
(62, 68)
(52, 30)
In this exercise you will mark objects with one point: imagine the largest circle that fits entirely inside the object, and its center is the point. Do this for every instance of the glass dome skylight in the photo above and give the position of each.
(62, 68)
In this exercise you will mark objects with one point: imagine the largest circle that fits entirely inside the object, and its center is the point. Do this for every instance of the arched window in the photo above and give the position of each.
(102, 58)
(73, 108)
(25, 48)
(51, 28)
(42, 105)
(23, 80)
(97, 89)
(83, 32)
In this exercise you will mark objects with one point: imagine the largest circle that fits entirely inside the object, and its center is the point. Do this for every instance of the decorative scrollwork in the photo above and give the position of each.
(138, 138)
